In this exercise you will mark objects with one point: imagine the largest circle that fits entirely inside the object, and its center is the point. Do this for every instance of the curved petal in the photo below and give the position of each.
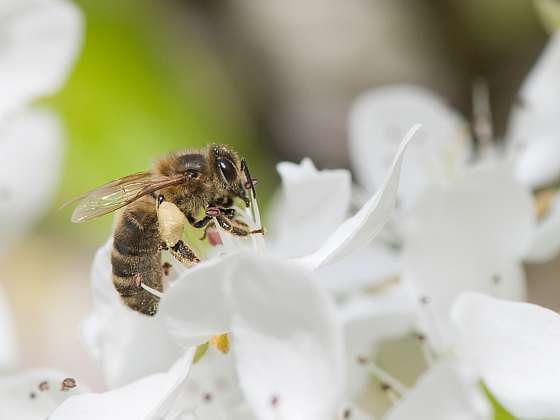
(312, 204)
(541, 88)
(150, 398)
(30, 136)
(128, 345)
(22, 398)
(39, 39)
(469, 236)
(9, 356)
(362, 228)
(287, 342)
(514, 347)
(443, 393)
(532, 132)
(378, 120)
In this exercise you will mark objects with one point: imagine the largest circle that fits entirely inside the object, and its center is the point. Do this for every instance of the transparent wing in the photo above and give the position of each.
(119, 193)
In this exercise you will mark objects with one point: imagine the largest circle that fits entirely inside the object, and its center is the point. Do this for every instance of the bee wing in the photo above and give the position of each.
(119, 193)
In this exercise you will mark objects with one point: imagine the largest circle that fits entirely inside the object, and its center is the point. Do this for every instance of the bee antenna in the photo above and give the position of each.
(245, 169)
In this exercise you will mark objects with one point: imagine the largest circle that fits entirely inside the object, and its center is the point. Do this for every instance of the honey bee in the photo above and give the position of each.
(193, 182)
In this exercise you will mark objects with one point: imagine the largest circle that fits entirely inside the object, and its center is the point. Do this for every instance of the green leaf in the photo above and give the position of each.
(200, 352)
(500, 413)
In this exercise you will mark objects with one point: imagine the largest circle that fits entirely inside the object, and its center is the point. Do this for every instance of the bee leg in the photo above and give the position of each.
(236, 227)
(199, 223)
(184, 254)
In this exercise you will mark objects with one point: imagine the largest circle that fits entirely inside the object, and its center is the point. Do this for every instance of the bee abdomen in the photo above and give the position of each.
(136, 258)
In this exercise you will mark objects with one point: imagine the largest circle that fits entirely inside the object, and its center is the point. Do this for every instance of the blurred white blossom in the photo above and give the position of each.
(513, 346)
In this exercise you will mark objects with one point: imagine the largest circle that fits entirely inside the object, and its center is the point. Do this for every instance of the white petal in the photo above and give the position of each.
(539, 163)
(39, 40)
(367, 267)
(541, 89)
(31, 136)
(307, 212)
(146, 399)
(20, 397)
(443, 393)
(129, 345)
(546, 240)
(9, 356)
(378, 120)
(469, 236)
(212, 384)
(514, 346)
(197, 306)
(287, 342)
(362, 228)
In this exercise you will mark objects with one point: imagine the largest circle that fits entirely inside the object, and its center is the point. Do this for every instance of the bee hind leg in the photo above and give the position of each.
(184, 254)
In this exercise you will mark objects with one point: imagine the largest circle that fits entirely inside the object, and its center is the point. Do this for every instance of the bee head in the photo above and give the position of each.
(226, 165)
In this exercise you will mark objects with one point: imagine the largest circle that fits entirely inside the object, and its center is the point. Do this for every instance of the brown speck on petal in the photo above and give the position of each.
(67, 384)
(44, 386)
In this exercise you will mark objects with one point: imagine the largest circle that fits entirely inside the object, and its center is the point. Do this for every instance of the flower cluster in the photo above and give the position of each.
(400, 298)
(39, 40)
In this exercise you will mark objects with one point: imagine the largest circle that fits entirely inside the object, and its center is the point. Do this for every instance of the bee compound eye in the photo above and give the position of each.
(227, 170)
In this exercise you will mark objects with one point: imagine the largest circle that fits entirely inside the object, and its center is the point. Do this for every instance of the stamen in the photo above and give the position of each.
(435, 334)
(426, 350)
(274, 401)
(44, 386)
(390, 392)
(207, 397)
(482, 115)
(382, 376)
(152, 291)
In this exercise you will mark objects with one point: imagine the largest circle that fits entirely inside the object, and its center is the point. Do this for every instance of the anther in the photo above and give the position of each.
(424, 300)
(250, 184)
(67, 384)
(44, 386)
(274, 401)
(32, 395)
(347, 413)
(207, 397)
(496, 278)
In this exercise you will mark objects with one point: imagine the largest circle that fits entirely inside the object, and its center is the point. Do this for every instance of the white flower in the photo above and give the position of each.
(282, 322)
(39, 40)
(152, 397)
(33, 395)
(513, 347)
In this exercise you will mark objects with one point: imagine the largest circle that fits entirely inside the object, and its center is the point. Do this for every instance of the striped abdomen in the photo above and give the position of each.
(136, 256)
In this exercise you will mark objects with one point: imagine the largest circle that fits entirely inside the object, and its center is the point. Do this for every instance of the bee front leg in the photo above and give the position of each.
(234, 227)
